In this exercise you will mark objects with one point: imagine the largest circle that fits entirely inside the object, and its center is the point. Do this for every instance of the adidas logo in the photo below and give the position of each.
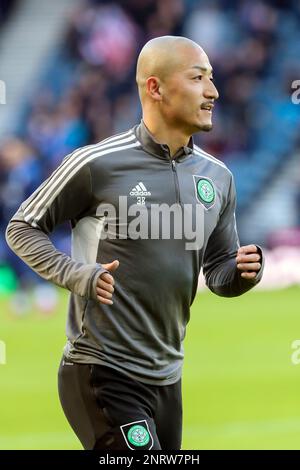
(140, 190)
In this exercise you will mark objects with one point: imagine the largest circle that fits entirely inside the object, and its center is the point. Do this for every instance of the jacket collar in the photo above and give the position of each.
(155, 148)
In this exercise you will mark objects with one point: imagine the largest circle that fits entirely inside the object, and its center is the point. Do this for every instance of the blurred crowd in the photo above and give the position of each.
(6, 7)
(90, 93)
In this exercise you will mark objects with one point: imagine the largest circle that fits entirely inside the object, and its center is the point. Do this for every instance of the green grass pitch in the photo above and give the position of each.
(240, 388)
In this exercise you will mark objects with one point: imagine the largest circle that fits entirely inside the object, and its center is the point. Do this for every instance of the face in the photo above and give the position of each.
(188, 94)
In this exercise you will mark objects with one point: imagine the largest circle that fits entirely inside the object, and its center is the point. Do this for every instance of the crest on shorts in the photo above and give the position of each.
(137, 435)
(205, 191)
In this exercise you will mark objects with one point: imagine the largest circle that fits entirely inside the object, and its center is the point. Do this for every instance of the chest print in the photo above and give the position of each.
(204, 191)
(140, 192)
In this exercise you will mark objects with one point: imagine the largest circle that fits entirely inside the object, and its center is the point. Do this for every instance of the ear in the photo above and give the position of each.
(154, 88)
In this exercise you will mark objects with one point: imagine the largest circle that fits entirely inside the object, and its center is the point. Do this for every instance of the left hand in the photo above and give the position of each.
(248, 261)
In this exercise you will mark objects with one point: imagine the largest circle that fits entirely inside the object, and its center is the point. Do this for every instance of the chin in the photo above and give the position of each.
(206, 127)
(200, 126)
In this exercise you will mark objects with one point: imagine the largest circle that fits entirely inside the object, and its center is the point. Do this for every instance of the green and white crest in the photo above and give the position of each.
(205, 191)
(137, 435)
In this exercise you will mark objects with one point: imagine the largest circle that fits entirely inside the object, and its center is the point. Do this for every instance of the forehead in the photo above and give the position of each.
(194, 59)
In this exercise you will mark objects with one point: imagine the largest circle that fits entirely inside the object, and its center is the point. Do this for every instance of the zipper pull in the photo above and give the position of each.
(173, 164)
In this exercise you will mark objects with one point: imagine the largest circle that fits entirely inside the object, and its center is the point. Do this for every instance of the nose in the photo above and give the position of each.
(211, 91)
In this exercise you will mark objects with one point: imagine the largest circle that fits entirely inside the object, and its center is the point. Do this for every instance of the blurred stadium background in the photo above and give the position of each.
(67, 78)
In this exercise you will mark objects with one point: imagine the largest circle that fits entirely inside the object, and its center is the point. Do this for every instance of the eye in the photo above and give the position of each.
(199, 76)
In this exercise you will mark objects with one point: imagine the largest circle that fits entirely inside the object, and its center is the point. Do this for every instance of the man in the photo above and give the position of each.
(120, 375)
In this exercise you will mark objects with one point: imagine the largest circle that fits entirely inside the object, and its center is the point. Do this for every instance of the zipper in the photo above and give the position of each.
(173, 164)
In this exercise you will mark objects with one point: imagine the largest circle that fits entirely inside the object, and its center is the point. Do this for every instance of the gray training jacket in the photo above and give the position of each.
(142, 332)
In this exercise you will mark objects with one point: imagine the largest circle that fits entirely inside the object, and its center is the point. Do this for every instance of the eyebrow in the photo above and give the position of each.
(203, 69)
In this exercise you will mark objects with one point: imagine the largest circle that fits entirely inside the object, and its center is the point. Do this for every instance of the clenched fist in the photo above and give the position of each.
(105, 283)
(248, 261)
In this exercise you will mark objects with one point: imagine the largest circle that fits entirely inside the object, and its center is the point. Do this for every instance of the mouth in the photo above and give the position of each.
(208, 107)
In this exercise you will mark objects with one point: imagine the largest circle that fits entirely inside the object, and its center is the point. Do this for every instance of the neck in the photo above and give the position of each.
(164, 134)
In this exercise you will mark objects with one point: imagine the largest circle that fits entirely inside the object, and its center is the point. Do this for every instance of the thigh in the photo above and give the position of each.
(168, 416)
(106, 409)
(79, 404)
(129, 408)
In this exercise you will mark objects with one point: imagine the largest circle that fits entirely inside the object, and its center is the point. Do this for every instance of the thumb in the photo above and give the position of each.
(111, 266)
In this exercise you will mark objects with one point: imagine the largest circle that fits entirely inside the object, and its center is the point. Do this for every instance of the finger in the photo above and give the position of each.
(247, 258)
(105, 286)
(248, 249)
(104, 293)
(107, 278)
(249, 266)
(111, 266)
(104, 301)
(248, 275)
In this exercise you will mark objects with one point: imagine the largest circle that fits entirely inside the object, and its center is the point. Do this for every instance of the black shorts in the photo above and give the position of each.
(110, 411)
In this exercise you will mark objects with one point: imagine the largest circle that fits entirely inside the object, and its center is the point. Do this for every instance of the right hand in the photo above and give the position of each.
(105, 283)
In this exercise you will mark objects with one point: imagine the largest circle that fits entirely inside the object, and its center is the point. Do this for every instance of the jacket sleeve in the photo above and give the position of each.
(65, 195)
(219, 263)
